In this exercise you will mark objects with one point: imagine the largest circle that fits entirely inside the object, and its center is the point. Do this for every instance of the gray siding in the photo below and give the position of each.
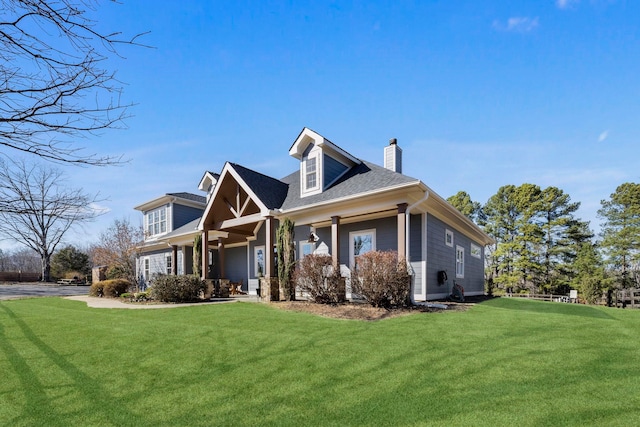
(184, 214)
(386, 235)
(188, 259)
(415, 252)
(236, 264)
(415, 239)
(308, 150)
(332, 169)
(443, 257)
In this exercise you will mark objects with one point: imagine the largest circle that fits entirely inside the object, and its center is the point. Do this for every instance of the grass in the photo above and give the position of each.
(504, 362)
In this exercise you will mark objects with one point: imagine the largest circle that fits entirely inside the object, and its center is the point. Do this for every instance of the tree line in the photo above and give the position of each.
(541, 246)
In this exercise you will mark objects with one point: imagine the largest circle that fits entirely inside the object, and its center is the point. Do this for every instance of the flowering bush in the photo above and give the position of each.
(381, 279)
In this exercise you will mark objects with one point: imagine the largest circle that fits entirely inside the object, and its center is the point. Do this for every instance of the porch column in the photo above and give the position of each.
(184, 259)
(402, 231)
(204, 256)
(221, 257)
(335, 241)
(268, 247)
(174, 260)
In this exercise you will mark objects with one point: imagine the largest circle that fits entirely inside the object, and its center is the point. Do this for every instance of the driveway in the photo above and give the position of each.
(24, 290)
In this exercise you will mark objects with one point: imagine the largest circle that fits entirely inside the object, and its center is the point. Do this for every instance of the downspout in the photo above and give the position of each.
(408, 230)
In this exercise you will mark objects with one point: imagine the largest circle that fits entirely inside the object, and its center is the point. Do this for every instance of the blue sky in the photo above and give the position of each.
(479, 94)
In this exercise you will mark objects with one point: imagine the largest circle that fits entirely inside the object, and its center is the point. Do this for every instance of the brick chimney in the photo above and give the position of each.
(393, 156)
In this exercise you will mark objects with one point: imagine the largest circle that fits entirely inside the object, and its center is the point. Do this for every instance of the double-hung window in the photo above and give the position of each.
(311, 173)
(157, 221)
(361, 242)
(169, 262)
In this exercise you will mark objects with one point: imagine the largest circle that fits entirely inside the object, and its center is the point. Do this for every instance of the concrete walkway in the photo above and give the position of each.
(96, 302)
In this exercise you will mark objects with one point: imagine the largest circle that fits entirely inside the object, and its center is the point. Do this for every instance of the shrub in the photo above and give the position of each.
(97, 289)
(110, 288)
(177, 288)
(381, 279)
(315, 275)
(137, 296)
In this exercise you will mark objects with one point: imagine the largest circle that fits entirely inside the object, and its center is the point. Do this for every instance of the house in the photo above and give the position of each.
(341, 205)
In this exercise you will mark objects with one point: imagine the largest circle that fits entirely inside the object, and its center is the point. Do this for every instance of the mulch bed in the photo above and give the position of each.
(360, 311)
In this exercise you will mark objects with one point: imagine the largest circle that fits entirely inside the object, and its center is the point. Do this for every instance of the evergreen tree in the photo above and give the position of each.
(500, 223)
(462, 201)
(528, 237)
(197, 256)
(563, 235)
(286, 257)
(70, 259)
(589, 277)
(621, 231)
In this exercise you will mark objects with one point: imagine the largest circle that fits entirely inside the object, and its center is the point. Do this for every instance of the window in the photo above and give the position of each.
(146, 269)
(259, 261)
(361, 242)
(448, 237)
(306, 248)
(459, 262)
(157, 221)
(310, 173)
(475, 251)
(169, 264)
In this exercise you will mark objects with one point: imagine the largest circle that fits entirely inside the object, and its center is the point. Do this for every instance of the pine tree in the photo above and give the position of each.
(621, 231)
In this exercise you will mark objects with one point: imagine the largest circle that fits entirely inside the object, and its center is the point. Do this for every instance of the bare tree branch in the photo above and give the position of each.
(54, 87)
(37, 210)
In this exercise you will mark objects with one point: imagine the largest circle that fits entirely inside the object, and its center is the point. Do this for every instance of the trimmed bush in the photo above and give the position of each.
(381, 279)
(178, 288)
(110, 288)
(316, 277)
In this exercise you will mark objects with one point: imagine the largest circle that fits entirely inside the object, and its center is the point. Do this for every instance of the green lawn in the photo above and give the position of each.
(504, 362)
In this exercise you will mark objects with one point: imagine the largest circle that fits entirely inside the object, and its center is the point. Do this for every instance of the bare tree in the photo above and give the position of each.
(118, 249)
(39, 209)
(23, 259)
(53, 84)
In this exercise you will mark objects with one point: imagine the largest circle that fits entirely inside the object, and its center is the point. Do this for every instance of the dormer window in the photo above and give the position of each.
(157, 221)
(311, 173)
(321, 162)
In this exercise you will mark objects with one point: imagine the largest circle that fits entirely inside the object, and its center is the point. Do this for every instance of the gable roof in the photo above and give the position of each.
(188, 199)
(189, 196)
(271, 191)
(308, 136)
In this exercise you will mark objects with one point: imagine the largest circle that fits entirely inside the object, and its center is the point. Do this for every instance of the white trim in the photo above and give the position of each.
(308, 136)
(353, 235)
(150, 220)
(475, 251)
(459, 262)
(448, 237)
(228, 169)
(316, 155)
(303, 244)
(423, 258)
(256, 249)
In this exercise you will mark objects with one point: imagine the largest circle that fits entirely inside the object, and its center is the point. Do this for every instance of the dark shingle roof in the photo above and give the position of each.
(189, 196)
(360, 179)
(272, 192)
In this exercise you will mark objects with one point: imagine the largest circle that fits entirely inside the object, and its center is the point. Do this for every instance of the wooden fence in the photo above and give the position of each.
(622, 298)
(542, 297)
(17, 276)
